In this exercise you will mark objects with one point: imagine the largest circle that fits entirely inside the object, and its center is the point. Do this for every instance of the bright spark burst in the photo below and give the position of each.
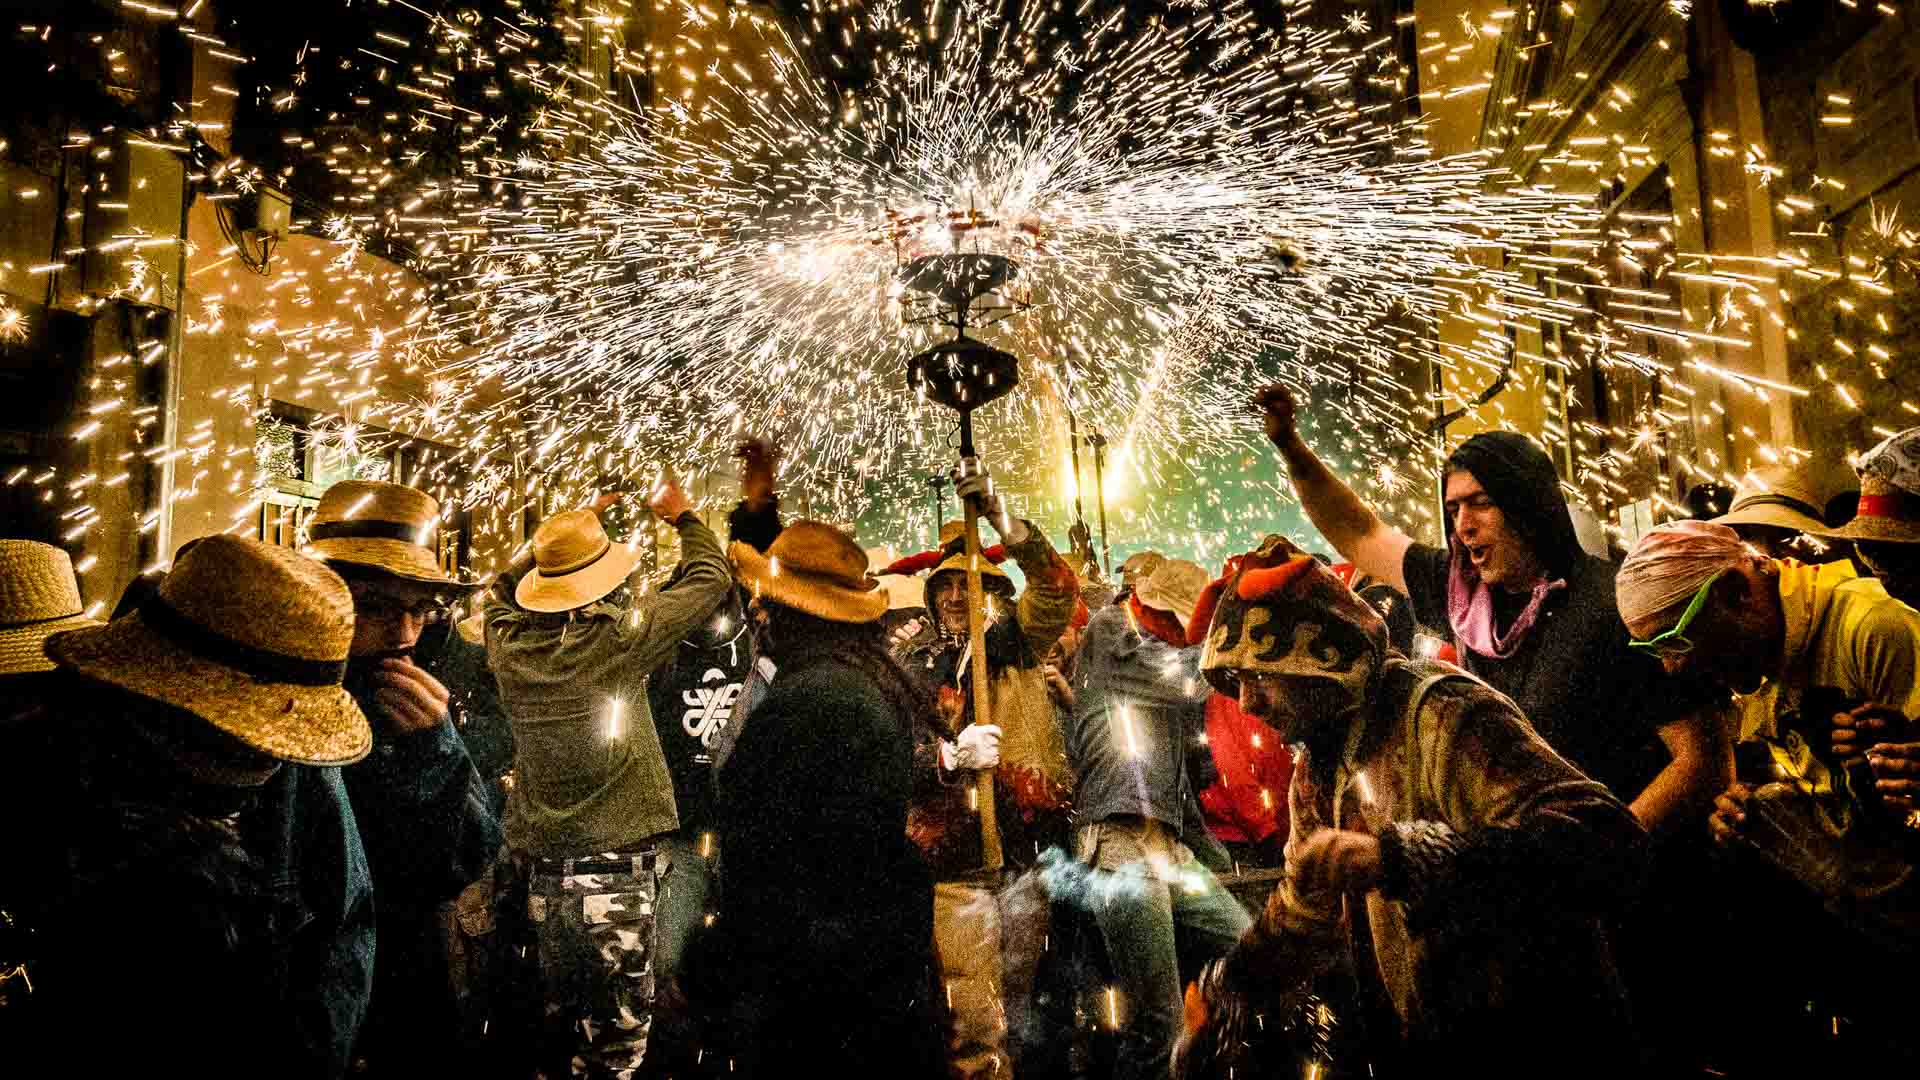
(725, 260)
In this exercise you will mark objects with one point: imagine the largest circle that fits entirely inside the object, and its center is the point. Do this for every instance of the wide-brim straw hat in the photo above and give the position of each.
(1887, 515)
(39, 597)
(574, 564)
(815, 568)
(1174, 587)
(1889, 510)
(1785, 497)
(251, 638)
(376, 525)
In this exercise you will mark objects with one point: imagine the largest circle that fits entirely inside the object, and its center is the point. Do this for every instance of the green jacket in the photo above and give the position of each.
(577, 791)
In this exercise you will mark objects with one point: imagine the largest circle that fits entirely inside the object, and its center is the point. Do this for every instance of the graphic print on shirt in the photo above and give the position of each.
(709, 706)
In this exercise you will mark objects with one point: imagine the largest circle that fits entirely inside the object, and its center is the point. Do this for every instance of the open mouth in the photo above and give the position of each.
(1478, 554)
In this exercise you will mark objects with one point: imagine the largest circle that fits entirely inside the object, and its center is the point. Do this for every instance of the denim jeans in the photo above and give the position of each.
(1145, 885)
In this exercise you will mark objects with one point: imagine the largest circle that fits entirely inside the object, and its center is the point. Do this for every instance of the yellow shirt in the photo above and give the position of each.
(1843, 632)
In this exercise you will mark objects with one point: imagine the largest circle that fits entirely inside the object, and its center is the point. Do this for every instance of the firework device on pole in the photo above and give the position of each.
(964, 374)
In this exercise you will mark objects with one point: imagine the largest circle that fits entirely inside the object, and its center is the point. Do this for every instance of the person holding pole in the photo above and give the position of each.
(992, 781)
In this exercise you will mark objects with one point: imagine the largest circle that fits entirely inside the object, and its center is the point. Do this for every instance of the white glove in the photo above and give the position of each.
(977, 748)
(981, 485)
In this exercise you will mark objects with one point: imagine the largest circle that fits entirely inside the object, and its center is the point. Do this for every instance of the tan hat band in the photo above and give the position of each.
(263, 665)
(1769, 498)
(605, 546)
(37, 622)
(369, 530)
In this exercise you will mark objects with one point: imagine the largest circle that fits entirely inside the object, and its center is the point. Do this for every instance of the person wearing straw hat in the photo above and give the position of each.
(592, 793)
(39, 597)
(823, 945)
(990, 939)
(1140, 711)
(426, 815)
(1780, 514)
(184, 820)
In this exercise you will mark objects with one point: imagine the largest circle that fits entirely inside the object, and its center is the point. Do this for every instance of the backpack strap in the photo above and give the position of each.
(1427, 674)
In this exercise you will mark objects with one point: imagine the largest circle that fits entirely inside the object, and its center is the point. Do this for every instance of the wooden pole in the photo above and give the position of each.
(977, 637)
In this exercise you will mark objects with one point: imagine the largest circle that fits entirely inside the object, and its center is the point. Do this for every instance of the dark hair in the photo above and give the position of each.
(797, 641)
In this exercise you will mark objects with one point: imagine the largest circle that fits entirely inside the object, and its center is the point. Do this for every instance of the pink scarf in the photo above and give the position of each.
(1470, 609)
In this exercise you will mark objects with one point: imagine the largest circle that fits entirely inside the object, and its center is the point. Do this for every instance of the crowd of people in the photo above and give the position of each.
(1503, 804)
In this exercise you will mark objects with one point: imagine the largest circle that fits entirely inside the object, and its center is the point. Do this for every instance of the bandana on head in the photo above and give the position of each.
(1670, 564)
(1896, 460)
(1278, 611)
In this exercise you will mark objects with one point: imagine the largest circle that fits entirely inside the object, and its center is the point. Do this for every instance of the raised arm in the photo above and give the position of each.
(701, 582)
(1376, 548)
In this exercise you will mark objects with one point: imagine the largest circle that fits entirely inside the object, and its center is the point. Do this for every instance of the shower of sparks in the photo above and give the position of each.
(1209, 202)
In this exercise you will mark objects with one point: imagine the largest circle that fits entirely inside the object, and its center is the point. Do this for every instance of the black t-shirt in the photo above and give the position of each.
(1598, 703)
(693, 699)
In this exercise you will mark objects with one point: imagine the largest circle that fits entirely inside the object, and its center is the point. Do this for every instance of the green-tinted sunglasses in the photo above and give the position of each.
(1674, 642)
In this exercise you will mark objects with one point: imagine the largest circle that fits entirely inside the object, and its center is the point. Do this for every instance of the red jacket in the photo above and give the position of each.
(1248, 803)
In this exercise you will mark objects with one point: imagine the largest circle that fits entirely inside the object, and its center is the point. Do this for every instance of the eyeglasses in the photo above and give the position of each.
(387, 609)
(1674, 642)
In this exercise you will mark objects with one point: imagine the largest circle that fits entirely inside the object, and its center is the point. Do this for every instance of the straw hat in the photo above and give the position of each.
(815, 568)
(1889, 509)
(1786, 497)
(992, 577)
(574, 563)
(253, 639)
(380, 526)
(1139, 566)
(38, 597)
(1174, 587)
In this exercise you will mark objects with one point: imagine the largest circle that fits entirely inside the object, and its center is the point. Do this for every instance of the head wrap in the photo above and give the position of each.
(1520, 479)
(1670, 564)
(1278, 611)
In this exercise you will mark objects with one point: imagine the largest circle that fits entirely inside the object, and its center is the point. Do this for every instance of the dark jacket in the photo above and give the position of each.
(1140, 705)
(239, 921)
(827, 916)
(427, 822)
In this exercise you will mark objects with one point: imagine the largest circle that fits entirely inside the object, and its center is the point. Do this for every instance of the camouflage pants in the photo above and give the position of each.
(594, 929)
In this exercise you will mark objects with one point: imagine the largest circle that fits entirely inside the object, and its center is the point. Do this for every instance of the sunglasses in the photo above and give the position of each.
(1674, 641)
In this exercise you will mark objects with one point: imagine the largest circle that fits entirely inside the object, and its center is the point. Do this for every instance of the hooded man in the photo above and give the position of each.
(1529, 612)
(426, 816)
(990, 944)
(1468, 866)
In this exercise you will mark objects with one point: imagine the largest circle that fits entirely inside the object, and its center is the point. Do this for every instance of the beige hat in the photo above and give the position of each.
(251, 638)
(903, 591)
(1889, 509)
(574, 563)
(815, 568)
(1174, 587)
(1785, 497)
(1139, 566)
(38, 597)
(380, 526)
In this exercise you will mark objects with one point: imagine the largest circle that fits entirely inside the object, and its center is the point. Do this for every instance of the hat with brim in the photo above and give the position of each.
(253, 639)
(380, 526)
(815, 568)
(39, 597)
(1785, 498)
(1174, 587)
(574, 564)
(1887, 515)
